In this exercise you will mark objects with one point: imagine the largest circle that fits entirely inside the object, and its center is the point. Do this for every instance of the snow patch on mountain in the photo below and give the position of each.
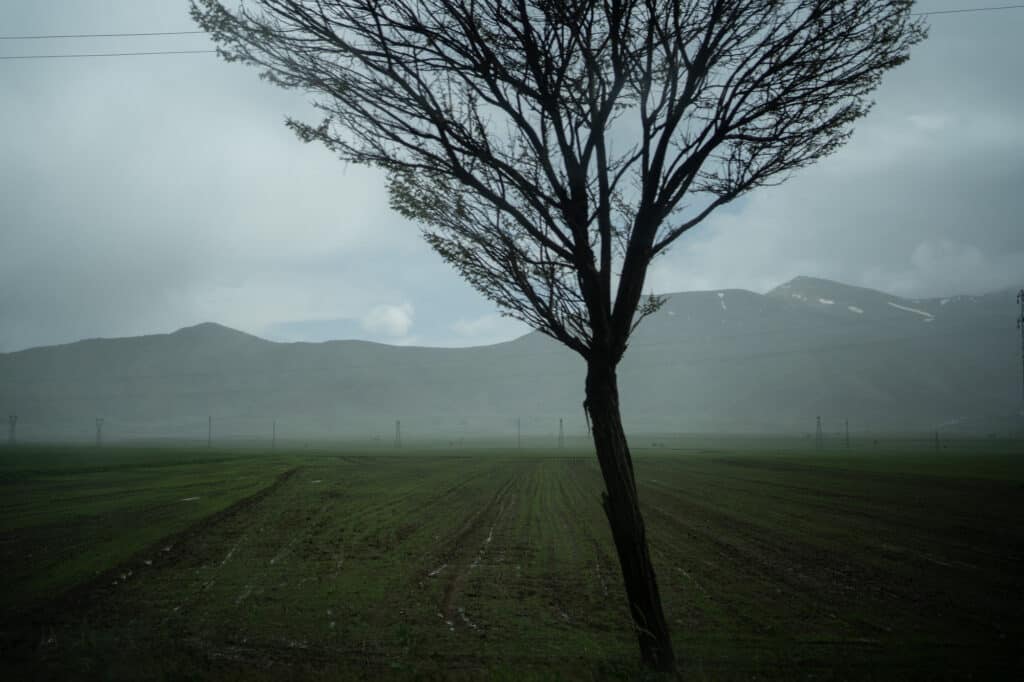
(911, 310)
(855, 309)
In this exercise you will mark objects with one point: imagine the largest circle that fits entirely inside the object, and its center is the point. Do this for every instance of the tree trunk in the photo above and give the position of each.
(621, 506)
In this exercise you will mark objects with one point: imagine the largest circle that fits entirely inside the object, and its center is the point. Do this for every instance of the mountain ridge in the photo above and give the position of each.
(727, 360)
(210, 328)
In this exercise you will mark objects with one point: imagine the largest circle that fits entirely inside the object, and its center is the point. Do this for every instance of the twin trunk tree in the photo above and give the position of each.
(551, 149)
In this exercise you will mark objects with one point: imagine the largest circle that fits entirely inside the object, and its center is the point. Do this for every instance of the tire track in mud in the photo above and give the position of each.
(317, 533)
(840, 586)
(872, 510)
(588, 485)
(606, 600)
(748, 546)
(409, 504)
(778, 555)
(570, 498)
(459, 553)
(548, 538)
(200, 549)
(845, 497)
(701, 524)
(780, 566)
(260, 574)
(562, 589)
(70, 604)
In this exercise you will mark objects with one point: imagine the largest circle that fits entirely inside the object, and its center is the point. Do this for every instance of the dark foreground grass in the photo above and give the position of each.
(333, 565)
(66, 514)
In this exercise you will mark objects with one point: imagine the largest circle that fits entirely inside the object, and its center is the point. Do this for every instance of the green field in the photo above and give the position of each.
(350, 563)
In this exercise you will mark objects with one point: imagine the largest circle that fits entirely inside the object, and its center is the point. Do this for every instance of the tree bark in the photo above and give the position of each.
(621, 506)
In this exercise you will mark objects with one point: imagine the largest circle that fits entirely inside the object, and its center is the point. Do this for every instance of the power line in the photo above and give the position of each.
(105, 35)
(106, 54)
(147, 34)
(964, 11)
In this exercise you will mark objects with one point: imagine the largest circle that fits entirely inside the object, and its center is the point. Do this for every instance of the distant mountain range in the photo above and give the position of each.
(728, 361)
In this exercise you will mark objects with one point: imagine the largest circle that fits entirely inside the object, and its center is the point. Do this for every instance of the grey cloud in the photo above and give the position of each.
(922, 201)
(141, 195)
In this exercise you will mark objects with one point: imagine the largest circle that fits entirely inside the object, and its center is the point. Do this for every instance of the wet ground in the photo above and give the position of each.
(772, 566)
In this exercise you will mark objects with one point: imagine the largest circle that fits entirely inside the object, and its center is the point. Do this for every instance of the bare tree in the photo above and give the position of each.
(551, 149)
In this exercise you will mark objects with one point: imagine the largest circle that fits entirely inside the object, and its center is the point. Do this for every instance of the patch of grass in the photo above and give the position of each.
(67, 515)
(772, 564)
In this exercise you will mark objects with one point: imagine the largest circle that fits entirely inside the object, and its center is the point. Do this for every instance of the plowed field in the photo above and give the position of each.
(337, 565)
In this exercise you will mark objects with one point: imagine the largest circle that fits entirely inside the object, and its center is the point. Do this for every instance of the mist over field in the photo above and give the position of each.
(727, 362)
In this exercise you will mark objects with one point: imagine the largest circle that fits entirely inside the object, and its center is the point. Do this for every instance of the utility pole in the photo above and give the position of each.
(847, 433)
(12, 423)
(209, 431)
(273, 437)
(398, 433)
(561, 434)
(99, 431)
(818, 439)
(519, 433)
(1020, 326)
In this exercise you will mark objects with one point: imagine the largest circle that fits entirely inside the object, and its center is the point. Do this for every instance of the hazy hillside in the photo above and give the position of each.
(717, 361)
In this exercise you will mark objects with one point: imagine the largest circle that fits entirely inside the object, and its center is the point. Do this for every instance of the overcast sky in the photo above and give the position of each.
(143, 194)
